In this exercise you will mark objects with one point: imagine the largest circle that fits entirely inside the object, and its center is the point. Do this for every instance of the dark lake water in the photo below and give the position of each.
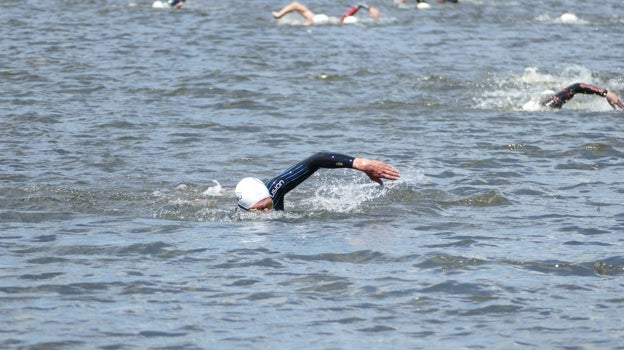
(125, 129)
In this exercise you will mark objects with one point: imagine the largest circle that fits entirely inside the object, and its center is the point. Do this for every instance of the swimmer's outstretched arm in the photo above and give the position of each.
(295, 6)
(376, 170)
(296, 174)
(290, 178)
(566, 94)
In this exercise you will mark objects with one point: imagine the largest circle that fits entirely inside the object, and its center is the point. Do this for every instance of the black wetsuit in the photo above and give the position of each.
(175, 2)
(296, 174)
(563, 96)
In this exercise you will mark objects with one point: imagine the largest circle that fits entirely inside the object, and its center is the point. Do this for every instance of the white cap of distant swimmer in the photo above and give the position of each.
(250, 191)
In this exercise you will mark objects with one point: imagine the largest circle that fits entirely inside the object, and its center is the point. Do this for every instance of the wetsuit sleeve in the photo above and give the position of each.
(296, 174)
(350, 12)
(566, 94)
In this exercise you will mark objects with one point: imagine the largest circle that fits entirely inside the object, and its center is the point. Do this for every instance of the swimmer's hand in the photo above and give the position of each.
(376, 170)
(614, 100)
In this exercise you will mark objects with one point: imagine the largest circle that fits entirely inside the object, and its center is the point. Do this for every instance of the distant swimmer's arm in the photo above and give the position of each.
(373, 12)
(589, 89)
(376, 170)
(177, 3)
(350, 12)
(566, 94)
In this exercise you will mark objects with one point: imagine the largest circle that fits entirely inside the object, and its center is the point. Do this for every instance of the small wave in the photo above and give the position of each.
(357, 257)
(492, 309)
(609, 267)
(488, 198)
(599, 151)
(446, 262)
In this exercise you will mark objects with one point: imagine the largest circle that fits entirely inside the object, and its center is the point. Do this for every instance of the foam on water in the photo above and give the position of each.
(568, 18)
(346, 197)
(160, 4)
(216, 190)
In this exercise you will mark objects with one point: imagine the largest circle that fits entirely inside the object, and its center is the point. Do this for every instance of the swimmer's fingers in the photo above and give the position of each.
(376, 170)
(389, 172)
(375, 178)
(614, 100)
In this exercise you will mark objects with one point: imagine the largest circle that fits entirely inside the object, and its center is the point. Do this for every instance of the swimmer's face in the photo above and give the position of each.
(373, 12)
(263, 205)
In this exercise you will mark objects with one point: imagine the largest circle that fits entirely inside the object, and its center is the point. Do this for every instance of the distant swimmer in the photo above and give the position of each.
(558, 99)
(171, 3)
(253, 194)
(420, 4)
(176, 3)
(312, 18)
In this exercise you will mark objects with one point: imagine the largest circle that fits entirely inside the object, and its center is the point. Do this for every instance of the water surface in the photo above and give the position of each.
(126, 128)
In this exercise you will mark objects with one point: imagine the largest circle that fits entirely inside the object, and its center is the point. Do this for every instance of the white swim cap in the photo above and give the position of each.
(250, 191)
(350, 20)
(423, 6)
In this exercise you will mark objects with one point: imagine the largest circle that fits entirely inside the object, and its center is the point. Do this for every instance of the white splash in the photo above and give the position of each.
(214, 191)
(568, 18)
(160, 4)
(532, 106)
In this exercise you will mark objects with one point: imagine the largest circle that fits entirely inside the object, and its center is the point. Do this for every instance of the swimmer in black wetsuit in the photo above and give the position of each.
(252, 194)
(564, 95)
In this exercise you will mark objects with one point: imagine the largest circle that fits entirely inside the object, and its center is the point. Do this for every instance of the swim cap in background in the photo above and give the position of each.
(250, 191)
(349, 20)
